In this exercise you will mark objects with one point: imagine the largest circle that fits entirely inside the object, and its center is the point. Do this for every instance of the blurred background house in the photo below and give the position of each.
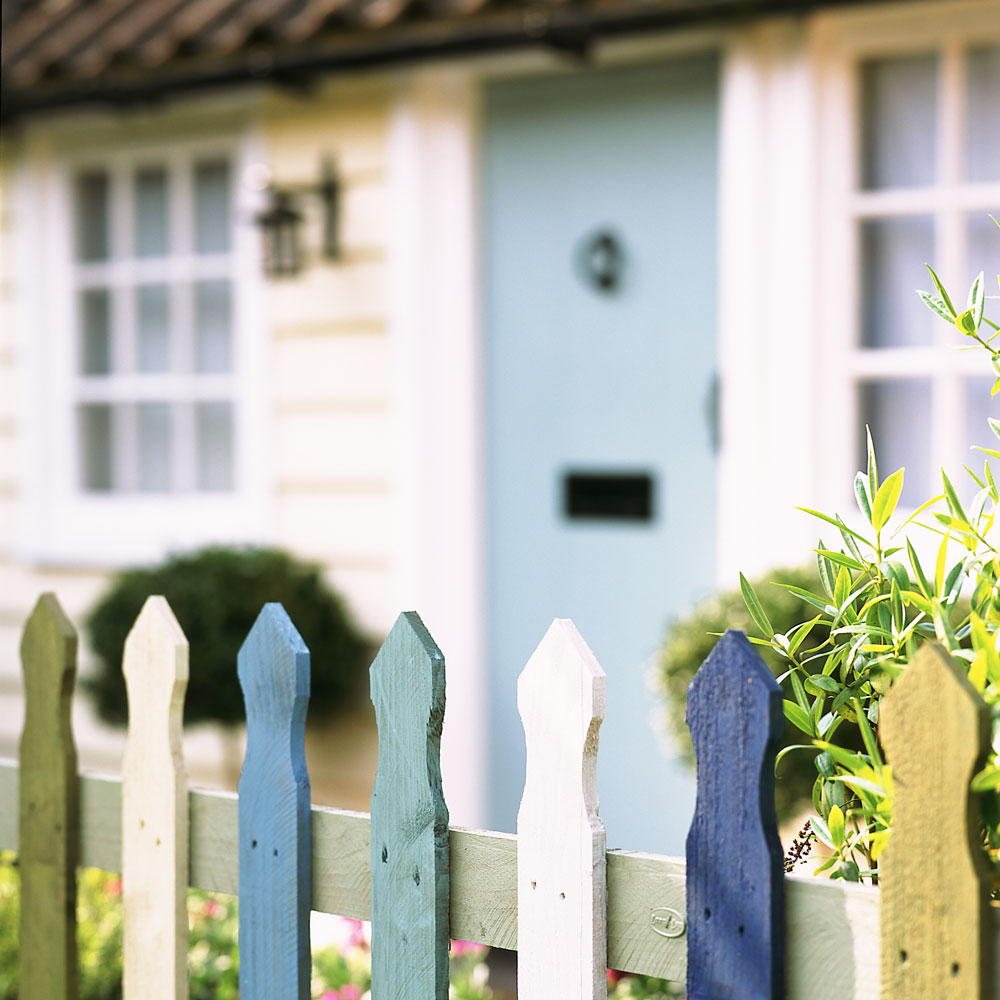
(500, 311)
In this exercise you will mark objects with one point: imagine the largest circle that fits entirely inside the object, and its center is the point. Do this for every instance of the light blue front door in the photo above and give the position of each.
(600, 221)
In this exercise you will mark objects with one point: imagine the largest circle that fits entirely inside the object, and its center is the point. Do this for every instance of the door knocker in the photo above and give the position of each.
(602, 262)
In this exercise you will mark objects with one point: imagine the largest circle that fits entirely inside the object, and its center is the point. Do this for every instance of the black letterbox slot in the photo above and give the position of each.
(608, 496)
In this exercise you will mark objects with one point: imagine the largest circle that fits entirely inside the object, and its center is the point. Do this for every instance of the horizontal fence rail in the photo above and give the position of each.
(833, 927)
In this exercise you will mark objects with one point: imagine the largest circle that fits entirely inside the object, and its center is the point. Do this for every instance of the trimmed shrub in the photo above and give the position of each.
(216, 595)
(689, 640)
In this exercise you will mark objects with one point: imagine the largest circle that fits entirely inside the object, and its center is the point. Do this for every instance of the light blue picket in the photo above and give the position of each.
(274, 802)
(409, 820)
(735, 878)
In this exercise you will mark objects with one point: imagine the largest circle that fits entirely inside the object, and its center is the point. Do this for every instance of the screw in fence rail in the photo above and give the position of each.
(274, 813)
(735, 879)
(49, 832)
(409, 824)
(933, 876)
(561, 877)
(155, 808)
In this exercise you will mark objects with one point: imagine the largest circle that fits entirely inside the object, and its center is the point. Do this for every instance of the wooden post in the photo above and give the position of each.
(49, 805)
(561, 877)
(735, 878)
(935, 884)
(274, 821)
(409, 825)
(155, 809)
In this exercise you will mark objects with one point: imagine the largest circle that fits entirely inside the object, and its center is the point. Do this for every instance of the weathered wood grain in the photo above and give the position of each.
(561, 880)
(409, 822)
(832, 927)
(49, 807)
(934, 878)
(275, 849)
(155, 809)
(735, 878)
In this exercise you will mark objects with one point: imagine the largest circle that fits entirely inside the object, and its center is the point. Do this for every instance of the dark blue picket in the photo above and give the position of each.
(735, 880)
(409, 825)
(274, 802)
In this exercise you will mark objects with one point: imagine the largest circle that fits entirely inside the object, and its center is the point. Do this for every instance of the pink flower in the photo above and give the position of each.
(211, 908)
(350, 992)
(330, 995)
(464, 947)
(113, 887)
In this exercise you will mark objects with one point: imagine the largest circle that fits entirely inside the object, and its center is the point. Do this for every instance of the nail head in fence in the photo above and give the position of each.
(735, 879)
(49, 807)
(274, 819)
(155, 808)
(409, 819)
(935, 884)
(561, 868)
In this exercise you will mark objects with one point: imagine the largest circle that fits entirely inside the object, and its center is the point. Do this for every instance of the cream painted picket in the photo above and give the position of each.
(587, 903)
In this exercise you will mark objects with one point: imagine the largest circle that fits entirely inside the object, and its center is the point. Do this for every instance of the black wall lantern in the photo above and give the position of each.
(281, 223)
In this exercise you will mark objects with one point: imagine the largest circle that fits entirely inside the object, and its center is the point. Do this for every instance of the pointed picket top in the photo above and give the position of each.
(735, 877)
(933, 877)
(49, 807)
(274, 802)
(409, 824)
(155, 808)
(561, 883)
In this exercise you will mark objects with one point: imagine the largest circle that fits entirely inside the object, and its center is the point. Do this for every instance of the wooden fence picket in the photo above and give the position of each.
(933, 876)
(275, 844)
(409, 819)
(49, 807)
(561, 877)
(155, 809)
(735, 878)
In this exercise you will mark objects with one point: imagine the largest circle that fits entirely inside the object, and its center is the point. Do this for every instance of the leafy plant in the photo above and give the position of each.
(216, 594)
(877, 604)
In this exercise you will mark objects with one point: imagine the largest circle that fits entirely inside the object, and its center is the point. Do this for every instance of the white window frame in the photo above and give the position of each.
(64, 524)
(840, 43)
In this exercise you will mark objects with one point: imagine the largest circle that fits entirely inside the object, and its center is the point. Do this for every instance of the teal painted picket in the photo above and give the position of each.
(727, 922)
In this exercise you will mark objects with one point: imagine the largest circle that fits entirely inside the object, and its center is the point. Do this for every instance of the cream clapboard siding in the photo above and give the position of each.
(333, 428)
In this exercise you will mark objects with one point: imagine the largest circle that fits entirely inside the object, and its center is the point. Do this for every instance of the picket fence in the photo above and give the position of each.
(728, 922)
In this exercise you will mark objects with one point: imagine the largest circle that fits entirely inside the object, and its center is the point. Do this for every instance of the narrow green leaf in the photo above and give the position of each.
(822, 832)
(835, 824)
(941, 290)
(841, 560)
(861, 492)
(936, 304)
(809, 598)
(952, 497)
(757, 612)
(868, 736)
(987, 779)
(825, 569)
(977, 299)
(872, 466)
(918, 571)
(966, 323)
(799, 718)
(886, 499)
(836, 522)
(822, 683)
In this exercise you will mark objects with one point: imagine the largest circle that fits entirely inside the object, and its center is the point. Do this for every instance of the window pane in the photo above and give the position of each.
(95, 447)
(899, 121)
(982, 140)
(213, 325)
(92, 205)
(154, 441)
(983, 253)
(151, 239)
(214, 429)
(979, 406)
(95, 330)
(211, 207)
(893, 252)
(898, 411)
(153, 328)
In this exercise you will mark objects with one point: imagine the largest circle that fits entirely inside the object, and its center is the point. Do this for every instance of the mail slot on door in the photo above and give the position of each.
(608, 496)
